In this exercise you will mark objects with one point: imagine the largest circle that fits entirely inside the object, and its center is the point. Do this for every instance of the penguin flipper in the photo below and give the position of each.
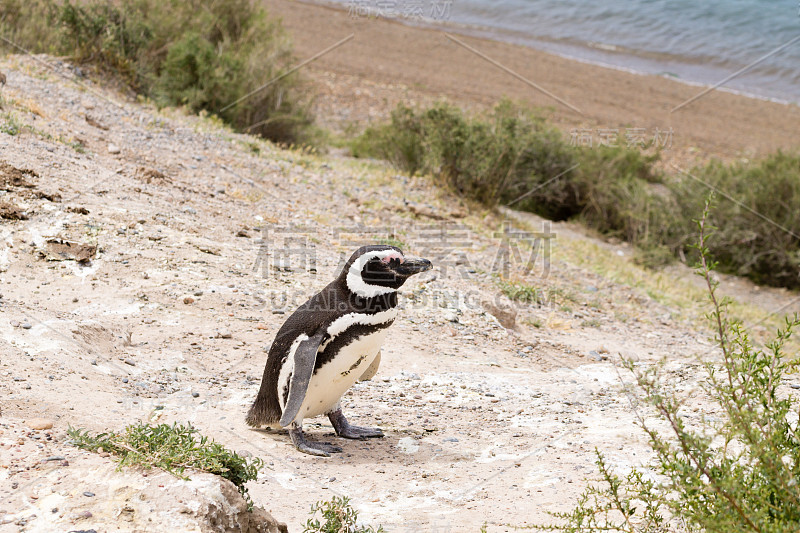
(370, 372)
(305, 357)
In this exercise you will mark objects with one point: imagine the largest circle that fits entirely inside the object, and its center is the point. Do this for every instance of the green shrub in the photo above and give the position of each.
(28, 23)
(735, 474)
(339, 517)
(510, 156)
(759, 232)
(201, 54)
(172, 448)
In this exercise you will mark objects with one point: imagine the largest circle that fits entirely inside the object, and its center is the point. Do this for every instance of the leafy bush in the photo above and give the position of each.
(201, 54)
(510, 156)
(759, 230)
(172, 448)
(339, 516)
(736, 474)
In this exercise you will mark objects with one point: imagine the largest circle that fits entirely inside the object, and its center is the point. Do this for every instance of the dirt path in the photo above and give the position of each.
(202, 236)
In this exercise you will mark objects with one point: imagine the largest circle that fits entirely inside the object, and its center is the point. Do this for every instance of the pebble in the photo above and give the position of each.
(53, 458)
(113, 148)
(450, 316)
(124, 380)
(195, 394)
(89, 494)
(598, 357)
(188, 300)
(224, 334)
(451, 439)
(39, 423)
(25, 325)
(130, 362)
(198, 293)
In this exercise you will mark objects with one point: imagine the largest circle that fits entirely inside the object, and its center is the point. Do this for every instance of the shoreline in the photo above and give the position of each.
(413, 63)
(562, 48)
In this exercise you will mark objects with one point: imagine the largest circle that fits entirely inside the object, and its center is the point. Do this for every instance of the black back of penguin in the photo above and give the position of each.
(320, 311)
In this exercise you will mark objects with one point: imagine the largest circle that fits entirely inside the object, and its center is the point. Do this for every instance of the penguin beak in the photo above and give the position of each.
(413, 265)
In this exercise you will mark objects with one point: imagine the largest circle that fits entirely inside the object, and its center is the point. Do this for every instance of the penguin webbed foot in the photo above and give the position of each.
(320, 449)
(344, 429)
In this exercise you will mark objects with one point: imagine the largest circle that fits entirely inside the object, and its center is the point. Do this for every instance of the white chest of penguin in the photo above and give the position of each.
(332, 380)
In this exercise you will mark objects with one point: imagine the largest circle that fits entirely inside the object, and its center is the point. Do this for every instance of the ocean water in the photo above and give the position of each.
(701, 41)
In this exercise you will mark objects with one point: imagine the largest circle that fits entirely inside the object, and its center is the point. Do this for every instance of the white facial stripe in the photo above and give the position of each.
(343, 322)
(357, 284)
(288, 369)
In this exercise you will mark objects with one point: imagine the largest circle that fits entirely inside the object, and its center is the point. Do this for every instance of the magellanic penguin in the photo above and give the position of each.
(331, 341)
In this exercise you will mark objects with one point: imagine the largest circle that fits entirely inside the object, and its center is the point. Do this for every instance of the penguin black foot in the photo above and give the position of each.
(344, 429)
(320, 449)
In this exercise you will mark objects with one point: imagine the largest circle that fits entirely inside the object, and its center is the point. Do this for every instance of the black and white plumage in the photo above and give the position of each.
(330, 342)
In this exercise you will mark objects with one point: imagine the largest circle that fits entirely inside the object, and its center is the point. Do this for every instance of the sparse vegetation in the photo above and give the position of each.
(172, 448)
(520, 292)
(339, 517)
(201, 54)
(737, 473)
(510, 156)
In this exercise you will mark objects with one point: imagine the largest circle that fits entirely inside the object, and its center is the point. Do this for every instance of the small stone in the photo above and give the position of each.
(198, 293)
(26, 325)
(450, 316)
(451, 439)
(188, 300)
(39, 423)
(89, 494)
(113, 149)
(53, 458)
(224, 334)
(130, 362)
(124, 380)
(195, 394)
(74, 300)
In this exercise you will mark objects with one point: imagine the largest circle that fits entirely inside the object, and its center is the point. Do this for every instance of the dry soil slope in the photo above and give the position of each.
(193, 274)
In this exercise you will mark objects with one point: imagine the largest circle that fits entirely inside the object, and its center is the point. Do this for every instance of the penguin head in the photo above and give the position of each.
(380, 269)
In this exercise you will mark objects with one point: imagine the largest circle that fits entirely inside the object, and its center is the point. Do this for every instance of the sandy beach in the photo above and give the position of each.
(387, 62)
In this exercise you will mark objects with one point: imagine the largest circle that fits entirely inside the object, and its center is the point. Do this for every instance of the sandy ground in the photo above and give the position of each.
(202, 236)
(388, 62)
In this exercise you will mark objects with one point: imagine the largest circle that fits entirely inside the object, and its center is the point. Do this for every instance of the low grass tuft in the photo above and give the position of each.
(172, 448)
